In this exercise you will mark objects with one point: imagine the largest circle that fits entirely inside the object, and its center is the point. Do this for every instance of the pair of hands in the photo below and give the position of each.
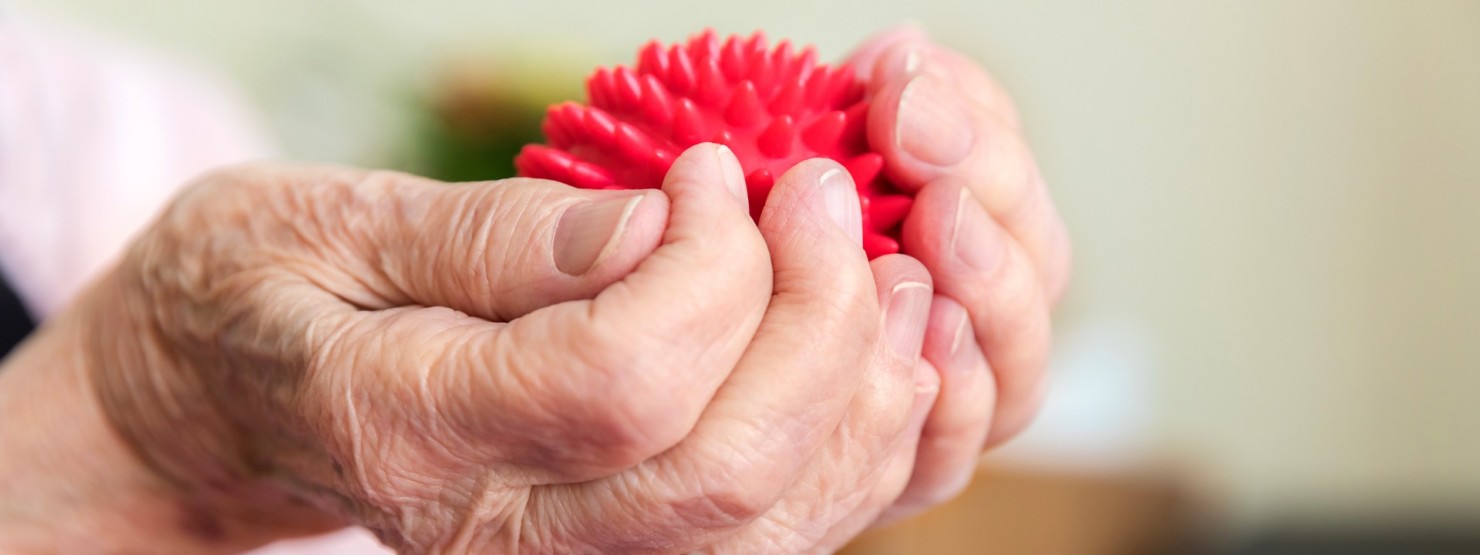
(522, 366)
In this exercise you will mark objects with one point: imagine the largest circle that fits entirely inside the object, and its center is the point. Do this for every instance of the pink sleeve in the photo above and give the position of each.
(94, 138)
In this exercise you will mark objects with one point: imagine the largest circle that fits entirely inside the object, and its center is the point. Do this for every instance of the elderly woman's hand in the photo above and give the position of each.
(514, 366)
(986, 228)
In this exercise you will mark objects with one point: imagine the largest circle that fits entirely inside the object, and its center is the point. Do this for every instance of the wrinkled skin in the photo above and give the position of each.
(461, 370)
(672, 410)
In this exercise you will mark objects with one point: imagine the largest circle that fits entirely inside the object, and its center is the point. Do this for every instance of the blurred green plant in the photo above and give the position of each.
(480, 113)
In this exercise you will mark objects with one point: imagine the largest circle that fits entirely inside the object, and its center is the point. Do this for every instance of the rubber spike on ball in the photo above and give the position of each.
(773, 107)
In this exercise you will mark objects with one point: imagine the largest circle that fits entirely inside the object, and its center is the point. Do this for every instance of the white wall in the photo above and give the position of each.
(1276, 203)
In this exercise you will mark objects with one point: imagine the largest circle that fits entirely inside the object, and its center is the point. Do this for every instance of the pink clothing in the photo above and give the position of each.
(94, 139)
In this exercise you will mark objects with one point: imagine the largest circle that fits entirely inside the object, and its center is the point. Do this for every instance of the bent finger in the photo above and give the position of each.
(775, 411)
(932, 119)
(952, 438)
(976, 263)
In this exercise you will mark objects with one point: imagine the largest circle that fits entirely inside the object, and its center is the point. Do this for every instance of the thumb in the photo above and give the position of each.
(499, 250)
(585, 388)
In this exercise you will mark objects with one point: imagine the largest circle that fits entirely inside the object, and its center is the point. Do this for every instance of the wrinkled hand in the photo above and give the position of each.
(522, 366)
(987, 230)
(519, 366)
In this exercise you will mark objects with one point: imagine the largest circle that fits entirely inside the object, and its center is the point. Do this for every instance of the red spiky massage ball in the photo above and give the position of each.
(772, 107)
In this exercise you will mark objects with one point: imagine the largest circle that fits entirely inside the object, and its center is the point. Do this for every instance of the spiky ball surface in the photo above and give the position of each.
(773, 107)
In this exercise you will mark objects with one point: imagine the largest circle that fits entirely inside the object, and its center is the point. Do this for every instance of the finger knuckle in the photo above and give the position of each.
(624, 413)
(726, 506)
(844, 298)
(884, 410)
(1016, 300)
(635, 427)
(734, 492)
(1020, 193)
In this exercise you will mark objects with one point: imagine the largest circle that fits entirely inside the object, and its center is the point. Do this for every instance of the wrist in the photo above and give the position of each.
(74, 479)
(67, 482)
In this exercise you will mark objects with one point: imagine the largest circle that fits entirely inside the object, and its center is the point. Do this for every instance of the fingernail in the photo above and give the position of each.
(932, 125)
(733, 175)
(958, 338)
(840, 198)
(973, 239)
(963, 363)
(899, 60)
(893, 44)
(912, 60)
(904, 319)
(589, 229)
(927, 388)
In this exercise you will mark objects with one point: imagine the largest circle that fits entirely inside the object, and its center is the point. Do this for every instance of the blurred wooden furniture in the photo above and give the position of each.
(1041, 512)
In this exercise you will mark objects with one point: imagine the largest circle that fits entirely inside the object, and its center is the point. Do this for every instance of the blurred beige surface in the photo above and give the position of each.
(1279, 201)
(1021, 510)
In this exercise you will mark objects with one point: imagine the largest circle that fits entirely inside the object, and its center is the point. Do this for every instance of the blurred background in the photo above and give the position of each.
(1272, 343)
